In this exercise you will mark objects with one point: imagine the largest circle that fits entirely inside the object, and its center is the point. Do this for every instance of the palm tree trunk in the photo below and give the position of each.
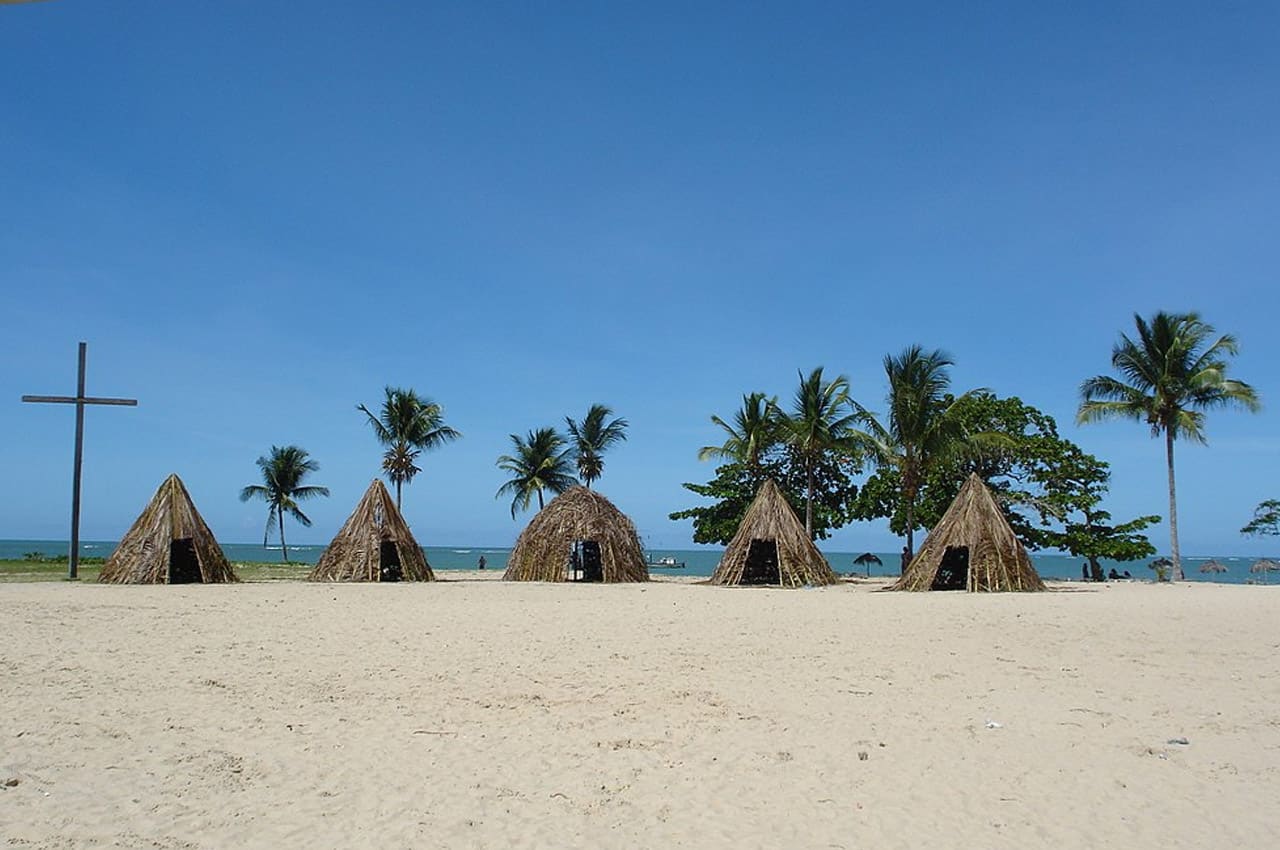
(283, 547)
(398, 483)
(539, 498)
(911, 532)
(1173, 509)
(808, 501)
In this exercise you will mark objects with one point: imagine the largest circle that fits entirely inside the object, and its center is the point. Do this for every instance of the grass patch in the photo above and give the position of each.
(55, 569)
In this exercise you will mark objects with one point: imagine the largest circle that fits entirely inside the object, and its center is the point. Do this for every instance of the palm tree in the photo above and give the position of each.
(407, 425)
(1170, 375)
(541, 461)
(591, 437)
(756, 428)
(822, 421)
(282, 488)
(921, 429)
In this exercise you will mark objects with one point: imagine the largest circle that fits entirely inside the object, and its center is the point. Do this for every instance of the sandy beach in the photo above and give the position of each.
(475, 713)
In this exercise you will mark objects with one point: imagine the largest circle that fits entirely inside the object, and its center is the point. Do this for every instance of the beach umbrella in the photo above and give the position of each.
(866, 559)
(1213, 567)
(1263, 567)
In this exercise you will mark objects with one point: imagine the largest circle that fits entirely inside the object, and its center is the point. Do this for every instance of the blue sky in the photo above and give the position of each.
(259, 213)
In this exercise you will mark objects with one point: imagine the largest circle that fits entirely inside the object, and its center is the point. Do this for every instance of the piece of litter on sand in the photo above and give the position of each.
(863, 755)
(1183, 741)
(991, 724)
(12, 782)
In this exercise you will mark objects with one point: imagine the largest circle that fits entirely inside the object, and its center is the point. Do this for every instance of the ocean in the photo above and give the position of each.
(696, 562)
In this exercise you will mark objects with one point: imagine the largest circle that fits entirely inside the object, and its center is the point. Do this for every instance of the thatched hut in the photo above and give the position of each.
(1213, 567)
(971, 548)
(168, 544)
(771, 547)
(578, 536)
(374, 544)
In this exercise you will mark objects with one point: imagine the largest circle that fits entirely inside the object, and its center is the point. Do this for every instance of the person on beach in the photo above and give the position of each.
(483, 562)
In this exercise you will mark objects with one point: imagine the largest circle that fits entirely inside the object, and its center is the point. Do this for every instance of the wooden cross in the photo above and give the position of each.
(79, 400)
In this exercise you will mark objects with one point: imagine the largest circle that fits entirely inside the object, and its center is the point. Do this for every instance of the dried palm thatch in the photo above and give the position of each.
(374, 544)
(1213, 567)
(168, 544)
(771, 547)
(581, 524)
(1264, 566)
(972, 548)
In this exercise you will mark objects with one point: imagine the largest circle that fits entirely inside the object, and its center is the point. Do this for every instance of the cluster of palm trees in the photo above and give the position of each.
(544, 459)
(824, 419)
(406, 424)
(1169, 376)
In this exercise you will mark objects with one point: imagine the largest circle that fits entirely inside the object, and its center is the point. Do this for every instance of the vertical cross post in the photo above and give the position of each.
(79, 400)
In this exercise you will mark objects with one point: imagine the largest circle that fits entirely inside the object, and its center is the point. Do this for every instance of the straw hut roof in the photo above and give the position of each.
(1213, 567)
(545, 548)
(374, 544)
(972, 547)
(168, 544)
(771, 547)
(1264, 566)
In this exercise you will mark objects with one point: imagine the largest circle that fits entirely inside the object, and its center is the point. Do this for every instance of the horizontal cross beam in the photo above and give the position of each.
(66, 399)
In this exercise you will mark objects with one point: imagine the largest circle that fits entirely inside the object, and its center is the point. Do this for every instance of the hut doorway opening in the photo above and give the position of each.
(953, 572)
(389, 568)
(585, 563)
(184, 566)
(762, 563)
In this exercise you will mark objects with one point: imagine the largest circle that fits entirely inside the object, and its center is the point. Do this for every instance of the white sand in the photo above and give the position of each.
(484, 714)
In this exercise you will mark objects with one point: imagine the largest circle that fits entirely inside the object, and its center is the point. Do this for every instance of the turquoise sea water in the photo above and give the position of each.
(698, 562)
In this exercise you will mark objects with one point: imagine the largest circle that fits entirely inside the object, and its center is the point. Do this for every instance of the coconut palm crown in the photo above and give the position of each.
(541, 461)
(282, 488)
(756, 428)
(407, 424)
(1169, 376)
(591, 437)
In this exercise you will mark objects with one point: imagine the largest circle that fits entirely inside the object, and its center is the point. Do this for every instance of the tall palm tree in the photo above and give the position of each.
(541, 461)
(755, 429)
(591, 437)
(822, 421)
(921, 427)
(1170, 375)
(407, 425)
(282, 488)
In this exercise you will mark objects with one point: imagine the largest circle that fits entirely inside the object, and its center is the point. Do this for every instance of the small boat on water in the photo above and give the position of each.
(667, 563)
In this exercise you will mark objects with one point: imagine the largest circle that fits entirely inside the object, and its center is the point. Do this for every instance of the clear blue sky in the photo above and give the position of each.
(259, 213)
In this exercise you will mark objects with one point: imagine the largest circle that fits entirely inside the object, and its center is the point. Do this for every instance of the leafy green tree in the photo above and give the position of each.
(1170, 375)
(1266, 520)
(820, 425)
(921, 429)
(541, 461)
(735, 486)
(407, 424)
(1050, 490)
(282, 474)
(591, 437)
(756, 428)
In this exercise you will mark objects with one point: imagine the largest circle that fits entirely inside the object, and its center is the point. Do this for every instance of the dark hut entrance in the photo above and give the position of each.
(585, 563)
(389, 568)
(762, 563)
(953, 572)
(184, 566)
